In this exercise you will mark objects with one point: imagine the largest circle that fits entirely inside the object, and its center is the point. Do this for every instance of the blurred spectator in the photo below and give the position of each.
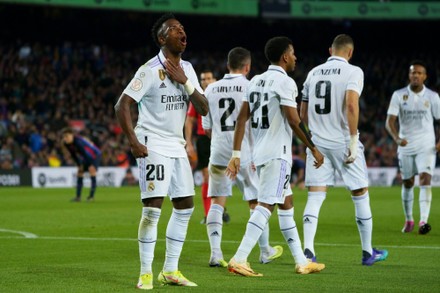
(129, 179)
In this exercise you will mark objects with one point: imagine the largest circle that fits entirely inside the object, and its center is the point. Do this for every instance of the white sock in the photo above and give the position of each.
(175, 237)
(290, 233)
(364, 220)
(263, 241)
(407, 202)
(147, 237)
(425, 197)
(310, 218)
(254, 228)
(214, 225)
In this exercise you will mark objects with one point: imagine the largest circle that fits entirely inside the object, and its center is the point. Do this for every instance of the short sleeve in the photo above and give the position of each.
(393, 108)
(305, 90)
(287, 91)
(356, 81)
(140, 83)
(436, 106)
(207, 121)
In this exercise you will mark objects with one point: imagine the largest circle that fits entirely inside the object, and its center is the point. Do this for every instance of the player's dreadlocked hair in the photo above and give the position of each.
(158, 25)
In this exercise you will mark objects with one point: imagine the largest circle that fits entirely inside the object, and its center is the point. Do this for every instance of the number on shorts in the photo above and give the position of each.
(287, 182)
(152, 175)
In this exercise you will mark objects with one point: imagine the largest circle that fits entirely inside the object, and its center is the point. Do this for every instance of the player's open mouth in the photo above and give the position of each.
(183, 41)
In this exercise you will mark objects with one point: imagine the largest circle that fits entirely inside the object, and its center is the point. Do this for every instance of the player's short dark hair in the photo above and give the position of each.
(419, 63)
(276, 47)
(238, 57)
(157, 26)
(341, 41)
(207, 70)
(67, 130)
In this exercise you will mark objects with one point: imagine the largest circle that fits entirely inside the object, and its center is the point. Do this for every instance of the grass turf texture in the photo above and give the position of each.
(92, 247)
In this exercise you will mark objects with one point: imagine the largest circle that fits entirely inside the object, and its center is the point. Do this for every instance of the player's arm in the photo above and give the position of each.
(436, 130)
(352, 110)
(234, 164)
(122, 109)
(189, 126)
(390, 126)
(177, 74)
(301, 132)
(304, 108)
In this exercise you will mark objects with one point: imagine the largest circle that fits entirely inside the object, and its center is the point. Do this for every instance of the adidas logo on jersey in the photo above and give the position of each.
(307, 221)
(359, 222)
(162, 86)
(215, 233)
(290, 240)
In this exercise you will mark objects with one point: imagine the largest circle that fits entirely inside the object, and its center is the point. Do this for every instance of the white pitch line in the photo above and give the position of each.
(202, 241)
(25, 234)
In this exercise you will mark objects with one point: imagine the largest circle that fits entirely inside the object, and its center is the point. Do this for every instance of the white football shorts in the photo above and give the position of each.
(221, 185)
(411, 165)
(160, 176)
(274, 181)
(354, 175)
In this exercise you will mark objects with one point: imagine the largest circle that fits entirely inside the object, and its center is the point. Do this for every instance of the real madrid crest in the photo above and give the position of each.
(162, 74)
(405, 97)
(426, 104)
(151, 186)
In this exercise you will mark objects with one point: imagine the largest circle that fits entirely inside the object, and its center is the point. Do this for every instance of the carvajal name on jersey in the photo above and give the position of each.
(227, 89)
(327, 71)
(175, 102)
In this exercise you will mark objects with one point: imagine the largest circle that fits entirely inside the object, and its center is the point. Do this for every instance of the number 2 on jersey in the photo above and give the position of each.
(222, 104)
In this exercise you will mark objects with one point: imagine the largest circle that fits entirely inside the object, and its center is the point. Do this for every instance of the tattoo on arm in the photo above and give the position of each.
(306, 133)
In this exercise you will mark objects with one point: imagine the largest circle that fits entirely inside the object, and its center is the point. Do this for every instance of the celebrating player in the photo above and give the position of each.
(162, 88)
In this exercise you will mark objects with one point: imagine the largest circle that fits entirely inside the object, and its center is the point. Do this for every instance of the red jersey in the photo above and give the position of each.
(193, 113)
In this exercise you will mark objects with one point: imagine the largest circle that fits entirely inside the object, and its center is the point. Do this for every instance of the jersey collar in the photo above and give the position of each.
(277, 68)
(420, 94)
(337, 58)
(232, 75)
(162, 59)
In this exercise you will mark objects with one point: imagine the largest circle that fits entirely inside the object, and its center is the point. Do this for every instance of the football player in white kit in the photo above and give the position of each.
(225, 98)
(416, 107)
(270, 103)
(330, 107)
(162, 89)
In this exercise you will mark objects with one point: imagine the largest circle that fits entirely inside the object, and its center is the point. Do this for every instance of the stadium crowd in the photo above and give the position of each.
(45, 86)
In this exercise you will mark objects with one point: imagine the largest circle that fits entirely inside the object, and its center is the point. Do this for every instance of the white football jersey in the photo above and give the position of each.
(162, 105)
(416, 113)
(225, 98)
(324, 90)
(270, 130)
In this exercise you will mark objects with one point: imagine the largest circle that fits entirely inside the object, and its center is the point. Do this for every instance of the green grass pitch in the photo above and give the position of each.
(92, 247)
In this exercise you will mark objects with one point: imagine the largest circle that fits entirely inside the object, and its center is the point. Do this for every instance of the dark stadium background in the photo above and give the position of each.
(383, 48)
